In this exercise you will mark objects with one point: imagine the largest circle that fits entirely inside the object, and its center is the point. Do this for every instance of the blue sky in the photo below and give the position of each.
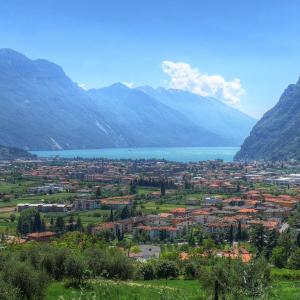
(102, 42)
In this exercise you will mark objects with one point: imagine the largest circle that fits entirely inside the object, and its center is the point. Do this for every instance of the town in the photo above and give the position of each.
(158, 200)
(154, 209)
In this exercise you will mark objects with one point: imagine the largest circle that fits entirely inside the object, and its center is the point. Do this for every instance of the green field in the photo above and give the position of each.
(130, 290)
(155, 290)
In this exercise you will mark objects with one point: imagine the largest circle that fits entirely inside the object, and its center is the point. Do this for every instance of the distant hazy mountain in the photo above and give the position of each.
(41, 108)
(207, 112)
(8, 153)
(277, 135)
(145, 121)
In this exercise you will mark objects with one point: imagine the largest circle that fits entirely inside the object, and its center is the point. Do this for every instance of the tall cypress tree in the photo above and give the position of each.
(111, 218)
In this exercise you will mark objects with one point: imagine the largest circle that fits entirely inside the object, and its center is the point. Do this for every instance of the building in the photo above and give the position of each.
(86, 204)
(44, 207)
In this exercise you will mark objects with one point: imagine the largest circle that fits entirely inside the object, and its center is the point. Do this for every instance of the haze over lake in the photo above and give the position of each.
(181, 154)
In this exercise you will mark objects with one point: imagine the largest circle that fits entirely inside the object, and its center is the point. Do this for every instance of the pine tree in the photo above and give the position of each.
(125, 214)
(37, 223)
(79, 224)
(60, 224)
(43, 225)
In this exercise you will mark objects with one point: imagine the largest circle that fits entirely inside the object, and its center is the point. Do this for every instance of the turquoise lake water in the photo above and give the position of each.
(181, 154)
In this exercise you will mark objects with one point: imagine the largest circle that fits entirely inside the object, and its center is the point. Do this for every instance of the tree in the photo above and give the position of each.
(60, 224)
(298, 240)
(75, 269)
(227, 277)
(119, 234)
(26, 221)
(294, 260)
(167, 269)
(12, 217)
(239, 232)
(79, 226)
(125, 214)
(256, 278)
(278, 257)
(162, 189)
(258, 237)
(148, 271)
(286, 240)
(30, 282)
(230, 236)
(190, 271)
(8, 291)
(111, 218)
(271, 242)
(71, 223)
(37, 223)
(98, 192)
(132, 188)
(192, 241)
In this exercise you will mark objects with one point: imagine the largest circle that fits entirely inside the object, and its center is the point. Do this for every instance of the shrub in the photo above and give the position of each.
(190, 271)
(75, 269)
(278, 257)
(167, 269)
(148, 271)
(294, 260)
(30, 282)
(8, 292)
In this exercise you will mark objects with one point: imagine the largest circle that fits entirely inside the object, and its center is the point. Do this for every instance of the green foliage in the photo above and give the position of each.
(8, 291)
(233, 278)
(167, 269)
(75, 269)
(29, 221)
(190, 271)
(148, 271)
(258, 237)
(294, 259)
(30, 282)
(109, 263)
(279, 258)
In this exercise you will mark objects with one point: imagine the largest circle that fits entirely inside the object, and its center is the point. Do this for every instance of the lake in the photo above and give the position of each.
(181, 154)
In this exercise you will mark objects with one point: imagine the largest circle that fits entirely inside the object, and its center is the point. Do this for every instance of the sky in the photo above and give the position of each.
(244, 53)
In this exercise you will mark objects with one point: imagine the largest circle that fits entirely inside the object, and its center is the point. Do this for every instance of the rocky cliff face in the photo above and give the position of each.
(277, 135)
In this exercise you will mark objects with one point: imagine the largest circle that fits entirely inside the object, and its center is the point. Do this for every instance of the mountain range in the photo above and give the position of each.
(41, 108)
(276, 136)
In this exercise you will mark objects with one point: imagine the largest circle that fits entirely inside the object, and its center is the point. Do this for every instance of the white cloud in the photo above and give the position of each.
(128, 84)
(184, 77)
(83, 86)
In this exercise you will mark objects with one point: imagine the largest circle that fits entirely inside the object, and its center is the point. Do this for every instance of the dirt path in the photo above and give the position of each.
(7, 209)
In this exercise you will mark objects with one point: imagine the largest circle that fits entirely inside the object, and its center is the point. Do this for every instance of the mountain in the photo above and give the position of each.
(145, 121)
(9, 153)
(208, 113)
(277, 135)
(41, 108)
